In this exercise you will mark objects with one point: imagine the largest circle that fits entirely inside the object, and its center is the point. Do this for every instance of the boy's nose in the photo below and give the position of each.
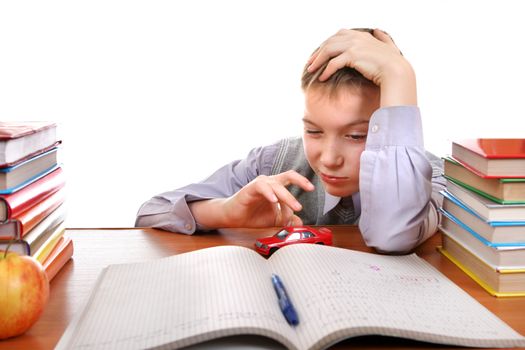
(331, 156)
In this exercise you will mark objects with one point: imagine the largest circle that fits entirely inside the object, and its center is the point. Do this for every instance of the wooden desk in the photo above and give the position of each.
(97, 248)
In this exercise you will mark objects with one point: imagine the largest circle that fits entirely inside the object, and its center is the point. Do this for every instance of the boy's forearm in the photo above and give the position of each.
(394, 182)
(398, 87)
(209, 213)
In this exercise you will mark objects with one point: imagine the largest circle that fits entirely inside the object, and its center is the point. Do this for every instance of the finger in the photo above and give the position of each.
(335, 64)
(316, 61)
(283, 215)
(286, 199)
(383, 36)
(264, 188)
(292, 177)
(330, 48)
(286, 215)
(296, 221)
(313, 56)
(277, 221)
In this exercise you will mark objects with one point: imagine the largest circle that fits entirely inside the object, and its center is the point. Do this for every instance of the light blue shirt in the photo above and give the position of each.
(396, 206)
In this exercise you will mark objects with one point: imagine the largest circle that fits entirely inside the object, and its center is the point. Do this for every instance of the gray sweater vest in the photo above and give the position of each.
(290, 156)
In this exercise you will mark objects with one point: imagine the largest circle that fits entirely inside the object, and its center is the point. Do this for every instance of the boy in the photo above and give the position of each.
(361, 158)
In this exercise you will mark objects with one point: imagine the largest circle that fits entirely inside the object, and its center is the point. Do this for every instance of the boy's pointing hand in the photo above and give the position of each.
(264, 202)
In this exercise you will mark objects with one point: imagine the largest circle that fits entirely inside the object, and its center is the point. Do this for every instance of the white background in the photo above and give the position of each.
(152, 95)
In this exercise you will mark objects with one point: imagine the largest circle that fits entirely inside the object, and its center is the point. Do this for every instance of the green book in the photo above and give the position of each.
(499, 190)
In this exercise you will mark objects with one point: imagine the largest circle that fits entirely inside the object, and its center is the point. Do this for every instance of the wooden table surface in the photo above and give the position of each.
(97, 248)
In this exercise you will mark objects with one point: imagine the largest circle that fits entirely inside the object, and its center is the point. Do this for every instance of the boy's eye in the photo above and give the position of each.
(313, 132)
(357, 137)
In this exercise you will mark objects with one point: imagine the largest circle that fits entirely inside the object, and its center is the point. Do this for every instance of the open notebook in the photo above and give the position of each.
(222, 291)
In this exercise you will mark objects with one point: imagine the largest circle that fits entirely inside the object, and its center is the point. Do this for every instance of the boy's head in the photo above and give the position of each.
(336, 117)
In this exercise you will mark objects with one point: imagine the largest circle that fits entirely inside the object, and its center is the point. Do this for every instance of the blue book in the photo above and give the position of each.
(485, 208)
(18, 176)
(482, 239)
(492, 231)
(498, 255)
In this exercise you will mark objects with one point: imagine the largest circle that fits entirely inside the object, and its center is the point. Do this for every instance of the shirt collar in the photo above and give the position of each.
(331, 201)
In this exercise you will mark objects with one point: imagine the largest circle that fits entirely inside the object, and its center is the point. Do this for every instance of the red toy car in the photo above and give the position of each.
(291, 235)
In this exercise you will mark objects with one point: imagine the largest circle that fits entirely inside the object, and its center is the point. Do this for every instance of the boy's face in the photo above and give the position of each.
(335, 131)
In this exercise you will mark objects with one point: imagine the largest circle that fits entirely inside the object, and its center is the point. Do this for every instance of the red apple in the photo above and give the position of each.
(24, 290)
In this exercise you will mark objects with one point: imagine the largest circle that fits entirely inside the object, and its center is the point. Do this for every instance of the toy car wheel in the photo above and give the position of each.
(273, 250)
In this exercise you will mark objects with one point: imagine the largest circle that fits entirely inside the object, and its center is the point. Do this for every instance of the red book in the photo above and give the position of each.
(12, 205)
(31, 217)
(492, 158)
(60, 255)
(39, 235)
(28, 219)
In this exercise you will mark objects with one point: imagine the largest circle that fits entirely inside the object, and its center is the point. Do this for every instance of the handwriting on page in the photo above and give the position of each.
(394, 292)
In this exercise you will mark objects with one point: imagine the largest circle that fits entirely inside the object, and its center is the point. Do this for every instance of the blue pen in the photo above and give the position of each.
(284, 301)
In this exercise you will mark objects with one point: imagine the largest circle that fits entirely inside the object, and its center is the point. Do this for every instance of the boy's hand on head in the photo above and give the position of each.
(264, 202)
(375, 56)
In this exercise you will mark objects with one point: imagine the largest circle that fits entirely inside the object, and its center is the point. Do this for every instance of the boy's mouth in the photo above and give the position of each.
(333, 179)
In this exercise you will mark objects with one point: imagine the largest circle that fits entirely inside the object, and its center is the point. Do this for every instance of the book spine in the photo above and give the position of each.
(51, 242)
(31, 155)
(27, 197)
(30, 218)
(28, 181)
(482, 193)
(15, 130)
(58, 258)
(10, 230)
(501, 245)
(17, 246)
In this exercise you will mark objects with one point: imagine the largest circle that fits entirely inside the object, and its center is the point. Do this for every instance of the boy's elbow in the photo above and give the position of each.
(406, 240)
(167, 222)
(388, 240)
(401, 232)
(395, 245)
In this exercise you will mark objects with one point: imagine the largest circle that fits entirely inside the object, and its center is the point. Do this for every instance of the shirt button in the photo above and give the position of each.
(188, 227)
(375, 128)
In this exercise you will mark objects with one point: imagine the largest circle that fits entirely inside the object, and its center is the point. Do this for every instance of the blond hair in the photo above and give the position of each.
(343, 77)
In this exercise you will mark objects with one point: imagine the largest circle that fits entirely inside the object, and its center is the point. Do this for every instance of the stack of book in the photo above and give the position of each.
(32, 194)
(483, 213)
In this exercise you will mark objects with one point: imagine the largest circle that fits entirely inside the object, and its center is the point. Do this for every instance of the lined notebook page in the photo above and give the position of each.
(336, 289)
(190, 297)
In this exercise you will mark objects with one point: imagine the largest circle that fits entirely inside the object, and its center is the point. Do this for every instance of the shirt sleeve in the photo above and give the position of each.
(169, 210)
(399, 184)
